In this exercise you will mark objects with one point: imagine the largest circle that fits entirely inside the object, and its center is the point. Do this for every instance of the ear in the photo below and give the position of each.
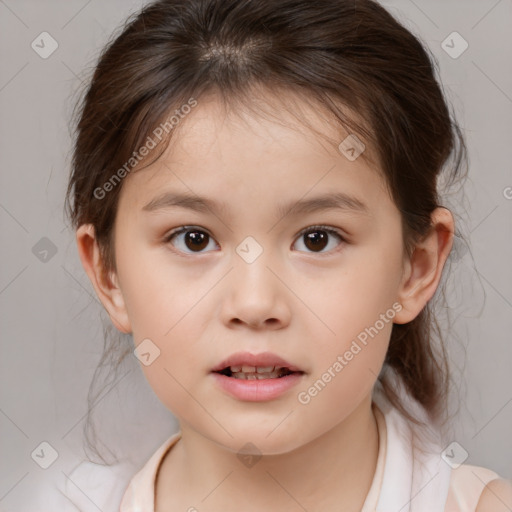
(423, 270)
(105, 283)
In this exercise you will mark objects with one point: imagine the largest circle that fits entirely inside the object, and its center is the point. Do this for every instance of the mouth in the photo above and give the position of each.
(262, 366)
(244, 372)
(256, 378)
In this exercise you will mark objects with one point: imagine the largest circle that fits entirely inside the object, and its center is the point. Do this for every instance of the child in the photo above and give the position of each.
(254, 194)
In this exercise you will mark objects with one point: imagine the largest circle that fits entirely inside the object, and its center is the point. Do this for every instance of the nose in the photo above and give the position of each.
(255, 296)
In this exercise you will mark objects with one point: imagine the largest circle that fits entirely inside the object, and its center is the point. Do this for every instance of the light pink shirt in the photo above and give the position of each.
(410, 475)
(400, 483)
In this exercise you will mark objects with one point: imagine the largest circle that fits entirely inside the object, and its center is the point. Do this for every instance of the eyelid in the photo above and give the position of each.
(323, 227)
(330, 229)
(185, 227)
(181, 229)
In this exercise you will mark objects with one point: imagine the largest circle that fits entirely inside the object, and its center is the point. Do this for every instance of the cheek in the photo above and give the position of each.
(166, 308)
(357, 307)
(355, 298)
(158, 296)
(348, 360)
(340, 387)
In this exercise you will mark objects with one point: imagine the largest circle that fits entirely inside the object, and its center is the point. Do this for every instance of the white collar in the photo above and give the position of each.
(416, 478)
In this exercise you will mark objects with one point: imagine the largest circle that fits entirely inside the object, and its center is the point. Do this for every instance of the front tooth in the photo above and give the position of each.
(264, 369)
(260, 376)
(248, 369)
(256, 376)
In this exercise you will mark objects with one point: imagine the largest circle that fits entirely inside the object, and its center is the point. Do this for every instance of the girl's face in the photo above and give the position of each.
(253, 274)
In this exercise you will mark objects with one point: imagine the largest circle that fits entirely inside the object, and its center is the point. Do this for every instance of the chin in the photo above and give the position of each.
(257, 442)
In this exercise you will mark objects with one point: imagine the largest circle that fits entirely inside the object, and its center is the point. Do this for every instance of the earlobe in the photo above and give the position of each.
(105, 283)
(423, 270)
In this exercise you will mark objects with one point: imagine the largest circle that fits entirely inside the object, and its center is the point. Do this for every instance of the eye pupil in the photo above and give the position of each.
(196, 240)
(317, 240)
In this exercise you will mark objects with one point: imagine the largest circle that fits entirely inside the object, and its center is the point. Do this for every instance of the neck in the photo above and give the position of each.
(332, 472)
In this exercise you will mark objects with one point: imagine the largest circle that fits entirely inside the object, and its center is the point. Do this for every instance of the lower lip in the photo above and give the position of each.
(257, 390)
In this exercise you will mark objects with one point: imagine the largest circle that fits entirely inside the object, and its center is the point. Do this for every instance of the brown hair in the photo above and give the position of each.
(340, 54)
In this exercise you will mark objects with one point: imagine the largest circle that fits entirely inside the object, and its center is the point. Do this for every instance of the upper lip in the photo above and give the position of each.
(263, 359)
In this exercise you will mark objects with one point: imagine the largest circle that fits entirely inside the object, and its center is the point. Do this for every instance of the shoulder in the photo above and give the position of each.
(496, 496)
(478, 489)
(91, 486)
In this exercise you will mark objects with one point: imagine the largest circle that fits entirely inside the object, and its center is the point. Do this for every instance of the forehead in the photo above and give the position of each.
(264, 144)
(279, 117)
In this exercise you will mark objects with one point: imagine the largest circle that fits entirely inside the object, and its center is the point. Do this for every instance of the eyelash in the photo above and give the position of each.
(319, 227)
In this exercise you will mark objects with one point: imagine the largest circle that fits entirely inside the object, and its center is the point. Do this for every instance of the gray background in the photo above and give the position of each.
(49, 316)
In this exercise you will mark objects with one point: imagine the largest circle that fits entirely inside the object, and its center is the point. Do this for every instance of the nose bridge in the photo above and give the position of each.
(251, 268)
(255, 295)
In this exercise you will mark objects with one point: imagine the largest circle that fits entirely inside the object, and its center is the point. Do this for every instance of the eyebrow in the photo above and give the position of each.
(329, 201)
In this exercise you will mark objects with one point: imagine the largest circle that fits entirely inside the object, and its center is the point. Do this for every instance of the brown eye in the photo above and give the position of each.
(190, 240)
(196, 240)
(317, 238)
